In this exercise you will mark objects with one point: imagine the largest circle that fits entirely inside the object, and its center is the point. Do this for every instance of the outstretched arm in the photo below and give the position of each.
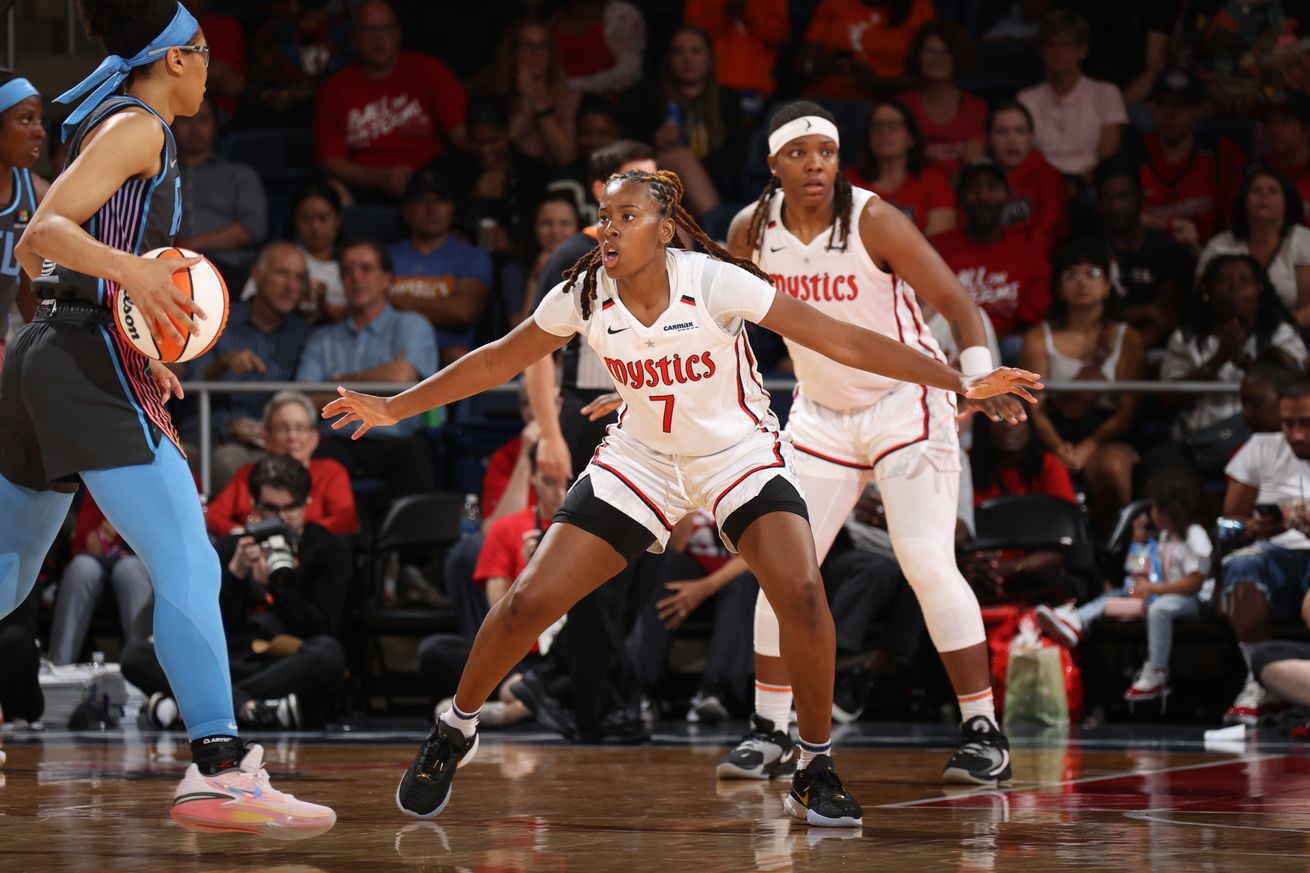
(493, 364)
(865, 350)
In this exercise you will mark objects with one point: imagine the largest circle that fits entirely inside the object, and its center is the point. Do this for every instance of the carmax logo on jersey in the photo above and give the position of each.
(679, 327)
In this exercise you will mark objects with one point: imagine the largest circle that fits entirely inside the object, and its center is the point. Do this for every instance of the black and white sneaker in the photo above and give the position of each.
(851, 695)
(706, 708)
(764, 753)
(983, 757)
(278, 712)
(424, 790)
(817, 797)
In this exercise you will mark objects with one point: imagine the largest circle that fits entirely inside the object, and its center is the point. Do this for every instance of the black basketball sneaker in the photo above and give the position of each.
(764, 753)
(817, 797)
(424, 790)
(983, 757)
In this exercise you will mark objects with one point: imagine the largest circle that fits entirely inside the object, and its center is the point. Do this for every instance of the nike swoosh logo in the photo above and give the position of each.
(1005, 762)
(611, 330)
(778, 249)
(255, 793)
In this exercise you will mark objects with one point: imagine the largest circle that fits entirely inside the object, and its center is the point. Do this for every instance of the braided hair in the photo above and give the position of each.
(843, 194)
(666, 187)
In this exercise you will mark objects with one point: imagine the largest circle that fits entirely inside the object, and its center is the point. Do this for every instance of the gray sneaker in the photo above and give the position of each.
(764, 753)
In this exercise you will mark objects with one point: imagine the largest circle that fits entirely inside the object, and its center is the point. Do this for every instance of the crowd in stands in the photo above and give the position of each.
(1122, 188)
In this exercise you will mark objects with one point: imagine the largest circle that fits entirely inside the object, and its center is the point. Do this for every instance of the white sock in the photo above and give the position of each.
(978, 703)
(809, 751)
(466, 722)
(774, 703)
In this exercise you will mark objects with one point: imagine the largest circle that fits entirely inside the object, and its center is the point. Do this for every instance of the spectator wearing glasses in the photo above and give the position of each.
(262, 342)
(951, 119)
(293, 54)
(291, 429)
(283, 599)
(388, 113)
(892, 164)
(1083, 339)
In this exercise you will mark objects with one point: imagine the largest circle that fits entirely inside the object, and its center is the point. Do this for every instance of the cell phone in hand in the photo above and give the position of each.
(1270, 511)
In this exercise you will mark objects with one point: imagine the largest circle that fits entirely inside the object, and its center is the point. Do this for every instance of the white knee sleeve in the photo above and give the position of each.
(950, 608)
(921, 512)
(766, 628)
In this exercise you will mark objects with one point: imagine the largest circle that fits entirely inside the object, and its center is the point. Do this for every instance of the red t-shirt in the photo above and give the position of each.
(1053, 480)
(502, 551)
(1037, 209)
(1010, 279)
(865, 33)
(500, 466)
(1201, 187)
(944, 143)
(1300, 177)
(226, 44)
(331, 502)
(916, 196)
(398, 121)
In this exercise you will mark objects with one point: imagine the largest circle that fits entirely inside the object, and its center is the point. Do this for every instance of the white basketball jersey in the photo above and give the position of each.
(848, 286)
(689, 385)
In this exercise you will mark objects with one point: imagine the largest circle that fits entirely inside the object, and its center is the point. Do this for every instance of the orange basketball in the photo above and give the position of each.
(205, 285)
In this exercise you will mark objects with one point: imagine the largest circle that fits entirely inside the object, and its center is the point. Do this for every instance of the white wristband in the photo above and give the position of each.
(976, 361)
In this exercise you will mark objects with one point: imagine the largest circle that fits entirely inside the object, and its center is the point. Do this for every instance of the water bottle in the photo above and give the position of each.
(470, 519)
(1138, 563)
(673, 113)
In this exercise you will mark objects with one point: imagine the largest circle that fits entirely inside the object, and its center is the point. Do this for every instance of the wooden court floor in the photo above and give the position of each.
(99, 803)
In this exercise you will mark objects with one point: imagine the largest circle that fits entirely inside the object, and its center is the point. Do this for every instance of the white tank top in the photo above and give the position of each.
(689, 382)
(1063, 368)
(848, 286)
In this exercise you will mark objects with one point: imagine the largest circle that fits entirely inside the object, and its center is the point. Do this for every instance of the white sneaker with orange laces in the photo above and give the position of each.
(243, 799)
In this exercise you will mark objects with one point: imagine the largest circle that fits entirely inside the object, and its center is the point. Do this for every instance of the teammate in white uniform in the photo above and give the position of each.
(854, 257)
(695, 431)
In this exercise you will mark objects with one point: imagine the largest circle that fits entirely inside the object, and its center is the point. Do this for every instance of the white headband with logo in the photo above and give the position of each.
(803, 126)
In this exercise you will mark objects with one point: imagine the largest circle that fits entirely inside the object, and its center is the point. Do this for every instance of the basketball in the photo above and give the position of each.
(205, 286)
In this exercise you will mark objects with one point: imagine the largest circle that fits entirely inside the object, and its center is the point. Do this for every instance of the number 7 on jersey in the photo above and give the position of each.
(667, 400)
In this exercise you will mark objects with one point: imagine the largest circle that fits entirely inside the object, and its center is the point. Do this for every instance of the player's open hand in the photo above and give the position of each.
(166, 379)
(1000, 408)
(149, 282)
(368, 410)
(1001, 381)
(602, 406)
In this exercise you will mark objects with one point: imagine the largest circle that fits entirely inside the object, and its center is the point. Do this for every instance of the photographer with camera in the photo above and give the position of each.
(1268, 484)
(283, 595)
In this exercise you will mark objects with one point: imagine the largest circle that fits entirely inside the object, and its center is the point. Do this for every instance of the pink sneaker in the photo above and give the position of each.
(242, 799)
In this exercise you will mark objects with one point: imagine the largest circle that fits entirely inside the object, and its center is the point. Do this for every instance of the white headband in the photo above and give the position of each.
(803, 126)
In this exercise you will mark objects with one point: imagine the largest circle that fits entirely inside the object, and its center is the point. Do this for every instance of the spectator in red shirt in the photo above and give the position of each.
(1006, 275)
(855, 48)
(1189, 186)
(510, 543)
(952, 120)
(1038, 208)
(389, 112)
(227, 55)
(746, 36)
(290, 429)
(892, 164)
(1287, 141)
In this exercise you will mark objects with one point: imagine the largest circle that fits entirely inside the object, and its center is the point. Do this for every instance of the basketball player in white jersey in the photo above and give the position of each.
(695, 431)
(852, 256)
